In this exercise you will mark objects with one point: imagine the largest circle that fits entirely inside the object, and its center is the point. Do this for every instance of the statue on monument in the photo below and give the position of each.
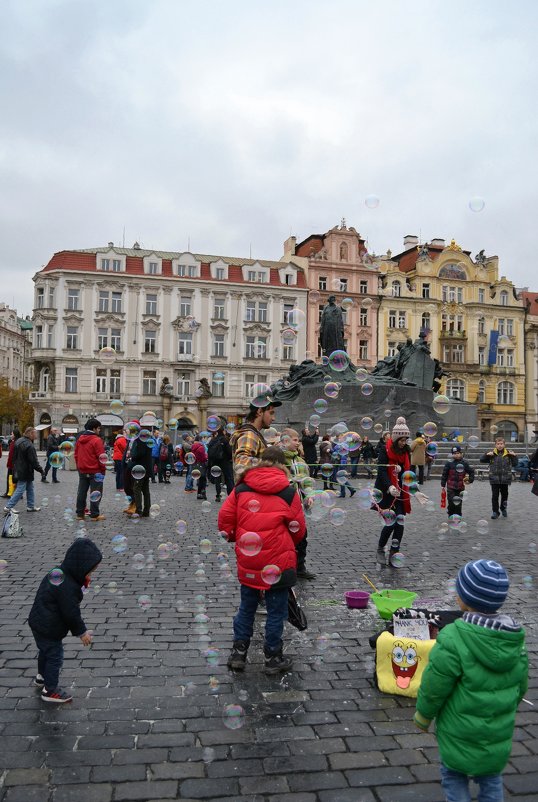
(331, 330)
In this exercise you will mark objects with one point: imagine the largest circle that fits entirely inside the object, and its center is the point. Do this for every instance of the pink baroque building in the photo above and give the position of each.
(339, 264)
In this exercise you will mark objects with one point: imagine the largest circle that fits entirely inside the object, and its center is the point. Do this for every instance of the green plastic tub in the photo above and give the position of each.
(387, 601)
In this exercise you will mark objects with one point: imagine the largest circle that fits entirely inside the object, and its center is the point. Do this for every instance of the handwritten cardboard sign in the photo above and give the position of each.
(411, 628)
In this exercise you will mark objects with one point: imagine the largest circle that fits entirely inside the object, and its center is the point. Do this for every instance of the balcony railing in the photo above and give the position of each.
(452, 334)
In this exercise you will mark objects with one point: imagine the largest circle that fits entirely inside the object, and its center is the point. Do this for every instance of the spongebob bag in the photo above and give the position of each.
(400, 663)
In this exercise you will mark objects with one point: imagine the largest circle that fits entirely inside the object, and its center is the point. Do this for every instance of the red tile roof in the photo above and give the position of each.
(407, 260)
(530, 300)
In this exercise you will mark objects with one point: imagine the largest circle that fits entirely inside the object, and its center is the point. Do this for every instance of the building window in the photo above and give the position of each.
(344, 317)
(191, 271)
(392, 319)
(288, 352)
(444, 293)
(425, 290)
(287, 309)
(343, 284)
(151, 304)
(425, 321)
(509, 357)
(102, 338)
(401, 319)
(458, 353)
(51, 298)
(44, 380)
(481, 356)
(72, 338)
(184, 385)
(218, 309)
(363, 349)
(220, 276)
(250, 380)
(481, 325)
(455, 388)
(40, 297)
(38, 339)
(185, 305)
(103, 301)
(256, 348)
(251, 311)
(505, 393)
(481, 391)
(116, 302)
(152, 268)
(251, 275)
(71, 380)
(105, 264)
(150, 341)
(289, 279)
(116, 265)
(218, 345)
(100, 380)
(149, 382)
(392, 348)
(509, 326)
(363, 286)
(503, 298)
(396, 289)
(500, 326)
(363, 317)
(115, 339)
(262, 312)
(459, 295)
(217, 385)
(115, 383)
(481, 296)
(73, 296)
(185, 343)
(322, 283)
(446, 353)
(50, 336)
(320, 312)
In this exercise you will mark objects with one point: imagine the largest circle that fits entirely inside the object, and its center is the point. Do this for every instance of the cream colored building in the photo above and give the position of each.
(530, 300)
(477, 324)
(15, 348)
(172, 319)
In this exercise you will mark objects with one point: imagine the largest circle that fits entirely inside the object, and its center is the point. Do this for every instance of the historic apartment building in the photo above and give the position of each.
(477, 322)
(166, 320)
(15, 348)
(339, 264)
(530, 301)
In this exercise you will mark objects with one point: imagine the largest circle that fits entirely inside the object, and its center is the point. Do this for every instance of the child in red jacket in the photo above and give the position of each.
(264, 517)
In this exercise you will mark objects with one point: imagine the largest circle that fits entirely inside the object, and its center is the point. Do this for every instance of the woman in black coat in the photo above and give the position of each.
(309, 441)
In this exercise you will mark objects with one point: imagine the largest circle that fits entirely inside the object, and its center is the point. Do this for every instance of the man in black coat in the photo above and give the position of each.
(53, 443)
(25, 462)
(309, 440)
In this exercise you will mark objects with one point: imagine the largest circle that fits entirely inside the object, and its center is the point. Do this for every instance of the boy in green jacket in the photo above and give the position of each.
(476, 677)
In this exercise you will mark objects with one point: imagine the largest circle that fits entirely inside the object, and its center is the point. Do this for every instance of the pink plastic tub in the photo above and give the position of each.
(357, 598)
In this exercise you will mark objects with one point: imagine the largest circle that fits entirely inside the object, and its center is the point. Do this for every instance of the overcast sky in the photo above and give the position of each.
(237, 123)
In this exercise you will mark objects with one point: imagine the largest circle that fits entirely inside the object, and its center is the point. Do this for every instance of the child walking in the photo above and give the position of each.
(56, 611)
(476, 677)
(457, 472)
(264, 517)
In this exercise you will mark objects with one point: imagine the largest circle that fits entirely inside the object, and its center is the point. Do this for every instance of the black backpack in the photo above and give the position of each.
(215, 450)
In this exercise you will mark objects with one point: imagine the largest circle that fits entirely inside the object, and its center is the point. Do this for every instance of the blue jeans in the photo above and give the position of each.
(276, 602)
(50, 659)
(19, 492)
(86, 481)
(456, 786)
(189, 481)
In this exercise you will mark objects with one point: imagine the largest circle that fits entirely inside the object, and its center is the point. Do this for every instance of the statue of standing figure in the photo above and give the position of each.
(331, 330)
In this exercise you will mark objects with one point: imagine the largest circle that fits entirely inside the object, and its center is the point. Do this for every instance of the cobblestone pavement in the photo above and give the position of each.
(150, 717)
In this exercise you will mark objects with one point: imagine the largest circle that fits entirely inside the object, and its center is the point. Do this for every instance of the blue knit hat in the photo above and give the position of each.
(482, 585)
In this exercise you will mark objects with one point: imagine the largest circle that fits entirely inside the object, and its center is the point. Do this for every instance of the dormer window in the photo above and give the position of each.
(255, 273)
(110, 262)
(503, 298)
(219, 270)
(186, 266)
(153, 266)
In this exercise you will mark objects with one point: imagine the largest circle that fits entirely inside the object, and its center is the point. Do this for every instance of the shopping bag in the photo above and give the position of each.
(443, 498)
(10, 486)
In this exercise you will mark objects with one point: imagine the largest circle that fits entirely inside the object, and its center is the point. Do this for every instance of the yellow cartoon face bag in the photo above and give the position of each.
(400, 663)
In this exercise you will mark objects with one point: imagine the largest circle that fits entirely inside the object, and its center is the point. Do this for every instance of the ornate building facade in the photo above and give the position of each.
(15, 348)
(530, 300)
(477, 324)
(339, 264)
(146, 327)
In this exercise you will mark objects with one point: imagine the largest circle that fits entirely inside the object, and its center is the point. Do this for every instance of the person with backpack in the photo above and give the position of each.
(156, 457)
(166, 458)
(219, 455)
(56, 611)
(53, 443)
(140, 457)
(25, 463)
(247, 441)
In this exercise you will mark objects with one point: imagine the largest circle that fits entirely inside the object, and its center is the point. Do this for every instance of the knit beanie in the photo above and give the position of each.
(401, 429)
(482, 585)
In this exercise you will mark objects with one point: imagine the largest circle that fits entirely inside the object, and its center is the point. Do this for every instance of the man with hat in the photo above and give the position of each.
(247, 441)
(457, 472)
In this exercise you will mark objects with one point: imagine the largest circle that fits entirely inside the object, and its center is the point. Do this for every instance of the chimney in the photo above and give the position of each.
(136, 246)
(289, 246)
(437, 243)
(110, 244)
(410, 241)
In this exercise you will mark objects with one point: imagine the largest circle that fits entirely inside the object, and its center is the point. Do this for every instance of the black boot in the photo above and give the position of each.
(238, 656)
(380, 557)
(276, 662)
(304, 573)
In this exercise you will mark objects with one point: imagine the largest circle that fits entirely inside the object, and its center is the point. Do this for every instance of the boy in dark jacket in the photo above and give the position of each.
(501, 461)
(56, 611)
(454, 475)
(475, 678)
(264, 517)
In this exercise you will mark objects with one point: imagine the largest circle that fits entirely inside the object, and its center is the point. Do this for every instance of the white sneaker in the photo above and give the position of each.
(10, 509)
(33, 509)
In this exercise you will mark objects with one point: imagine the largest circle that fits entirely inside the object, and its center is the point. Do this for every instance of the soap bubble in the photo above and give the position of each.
(431, 449)
(532, 548)
(477, 204)
(119, 544)
(296, 319)
(199, 575)
(143, 436)
(253, 505)
(172, 424)
(116, 406)
(338, 361)
(107, 355)
(163, 551)
(389, 517)
(378, 428)
(144, 602)
(261, 395)
(342, 476)
(270, 435)
(376, 494)
(250, 544)
(371, 201)
(95, 496)
(473, 441)
(112, 587)
(367, 389)
(314, 421)
(138, 472)
(3, 566)
(230, 427)
(196, 473)
(366, 423)
(346, 303)
(56, 459)
(408, 478)
(337, 516)
(132, 428)
(366, 303)
(314, 297)
(154, 511)
(493, 429)
(206, 506)
(289, 337)
(205, 546)
(331, 389)
(326, 470)
(218, 378)
(233, 717)
(181, 527)
(56, 576)
(441, 404)
(66, 448)
(397, 560)
(216, 471)
(430, 429)
(527, 582)
(320, 405)
(361, 374)
(271, 574)
(454, 521)
(294, 527)
(190, 459)
(213, 423)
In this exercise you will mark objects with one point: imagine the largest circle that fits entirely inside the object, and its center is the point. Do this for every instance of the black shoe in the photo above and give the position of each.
(304, 573)
(381, 557)
(218, 498)
(55, 481)
(238, 656)
(494, 515)
(504, 514)
(276, 663)
(352, 492)
(45, 480)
